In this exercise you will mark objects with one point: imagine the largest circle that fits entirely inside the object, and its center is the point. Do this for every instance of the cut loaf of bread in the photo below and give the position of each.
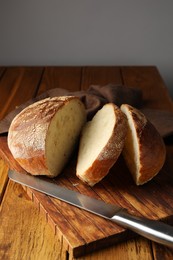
(101, 143)
(42, 137)
(144, 150)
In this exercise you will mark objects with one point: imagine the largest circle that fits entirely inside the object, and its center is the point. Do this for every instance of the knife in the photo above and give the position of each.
(154, 230)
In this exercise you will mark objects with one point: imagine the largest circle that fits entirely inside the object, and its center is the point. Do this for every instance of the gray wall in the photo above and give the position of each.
(88, 32)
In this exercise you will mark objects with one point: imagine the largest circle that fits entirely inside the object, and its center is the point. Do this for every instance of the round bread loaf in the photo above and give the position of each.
(144, 150)
(101, 143)
(42, 136)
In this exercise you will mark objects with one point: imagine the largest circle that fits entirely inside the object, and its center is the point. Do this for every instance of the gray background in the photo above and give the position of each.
(88, 32)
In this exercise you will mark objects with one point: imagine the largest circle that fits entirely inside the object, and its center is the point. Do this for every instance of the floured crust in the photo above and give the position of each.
(28, 133)
(108, 154)
(144, 150)
(28, 129)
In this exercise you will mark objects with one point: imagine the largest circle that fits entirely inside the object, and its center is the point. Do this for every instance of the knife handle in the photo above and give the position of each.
(154, 230)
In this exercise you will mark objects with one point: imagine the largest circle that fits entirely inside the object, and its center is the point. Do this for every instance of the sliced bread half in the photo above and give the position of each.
(144, 150)
(101, 143)
(42, 136)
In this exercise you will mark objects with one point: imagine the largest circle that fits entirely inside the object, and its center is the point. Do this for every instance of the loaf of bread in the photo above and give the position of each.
(144, 150)
(101, 143)
(42, 137)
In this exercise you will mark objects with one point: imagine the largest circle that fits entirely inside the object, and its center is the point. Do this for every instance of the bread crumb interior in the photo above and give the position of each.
(62, 135)
(95, 136)
(131, 148)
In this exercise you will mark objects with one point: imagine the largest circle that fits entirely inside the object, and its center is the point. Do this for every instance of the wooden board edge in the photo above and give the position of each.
(82, 249)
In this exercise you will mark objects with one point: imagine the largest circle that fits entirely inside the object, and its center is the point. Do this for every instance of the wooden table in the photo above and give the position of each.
(24, 232)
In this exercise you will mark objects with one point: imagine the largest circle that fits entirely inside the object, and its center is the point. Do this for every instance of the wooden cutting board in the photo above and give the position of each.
(82, 232)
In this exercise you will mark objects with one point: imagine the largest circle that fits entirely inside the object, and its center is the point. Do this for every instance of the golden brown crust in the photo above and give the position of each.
(109, 154)
(27, 133)
(150, 150)
(97, 171)
(29, 128)
(34, 165)
(152, 155)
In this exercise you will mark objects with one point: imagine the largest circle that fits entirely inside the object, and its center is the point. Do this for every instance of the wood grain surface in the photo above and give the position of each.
(75, 231)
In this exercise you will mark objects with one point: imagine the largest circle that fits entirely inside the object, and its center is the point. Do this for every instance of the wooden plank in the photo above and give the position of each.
(3, 178)
(63, 228)
(6, 155)
(159, 252)
(148, 78)
(61, 77)
(17, 85)
(100, 76)
(24, 234)
(131, 250)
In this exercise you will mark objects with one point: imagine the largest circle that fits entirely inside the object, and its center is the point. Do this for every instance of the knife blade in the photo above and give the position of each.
(156, 231)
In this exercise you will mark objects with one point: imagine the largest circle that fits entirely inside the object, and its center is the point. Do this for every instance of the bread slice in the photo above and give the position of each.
(42, 137)
(101, 143)
(144, 150)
